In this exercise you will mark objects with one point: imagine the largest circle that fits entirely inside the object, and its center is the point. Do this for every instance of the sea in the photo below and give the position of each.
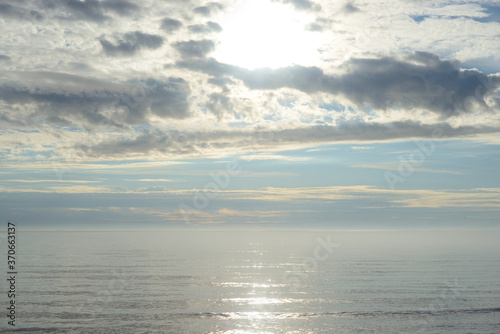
(254, 281)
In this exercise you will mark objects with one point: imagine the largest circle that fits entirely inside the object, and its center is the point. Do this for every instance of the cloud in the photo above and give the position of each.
(114, 81)
(79, 189)
(10, 11)
(302, 4)
(52, 181)
(397, 166)
(208, 9)
(221, 82)
(473, 11)
(63, 99)
(320, 24)
(62, 190)
(65, 165)
(358, 148)
(224, 212)
(477, 199)
(350, 8)
(166, 98)
(130, 43)
(219, 105)
(266, 174)
(417, 80)
(155, 180)
(170, 25)
(94, 10)
(272, 157)
(121, 7)
(459, 199)
(152, 189)
(414, 198)
(213, 143)
(209, 27)
(209, 66)
(194, 49)
(143, 143)
(222, 215)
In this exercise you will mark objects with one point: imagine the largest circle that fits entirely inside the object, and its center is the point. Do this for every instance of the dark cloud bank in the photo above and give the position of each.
(74, 10)
(418, 80)
(197, 144)
(63, 99)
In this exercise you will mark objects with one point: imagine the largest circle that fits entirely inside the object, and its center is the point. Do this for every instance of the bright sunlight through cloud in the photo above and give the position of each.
(259, 33)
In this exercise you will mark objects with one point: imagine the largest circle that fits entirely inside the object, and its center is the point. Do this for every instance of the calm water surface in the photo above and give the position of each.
(257, 282)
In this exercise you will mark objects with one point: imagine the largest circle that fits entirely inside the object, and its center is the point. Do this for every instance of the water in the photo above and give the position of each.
(257, 282)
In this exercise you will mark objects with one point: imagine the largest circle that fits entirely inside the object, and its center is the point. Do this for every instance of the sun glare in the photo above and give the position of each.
(260, 33)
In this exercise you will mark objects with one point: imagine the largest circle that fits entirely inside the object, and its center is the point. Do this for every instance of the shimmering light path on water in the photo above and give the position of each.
(258, 282)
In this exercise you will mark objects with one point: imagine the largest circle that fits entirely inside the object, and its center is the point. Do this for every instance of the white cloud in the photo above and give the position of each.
(362, 148)
(52, 181)
(394, 166)
(272, 157)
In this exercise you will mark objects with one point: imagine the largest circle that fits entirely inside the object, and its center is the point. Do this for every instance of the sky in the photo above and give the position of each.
(370, 114)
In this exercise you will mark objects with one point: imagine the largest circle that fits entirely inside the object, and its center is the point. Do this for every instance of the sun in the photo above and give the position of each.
(260, 33)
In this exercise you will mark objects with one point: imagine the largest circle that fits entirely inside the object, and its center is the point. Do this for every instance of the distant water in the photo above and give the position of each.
(257, 282)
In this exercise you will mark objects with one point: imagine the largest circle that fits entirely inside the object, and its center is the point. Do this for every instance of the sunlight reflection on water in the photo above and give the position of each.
(210, 283)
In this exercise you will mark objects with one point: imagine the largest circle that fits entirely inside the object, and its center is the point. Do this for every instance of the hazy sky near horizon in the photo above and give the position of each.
(361, 114)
